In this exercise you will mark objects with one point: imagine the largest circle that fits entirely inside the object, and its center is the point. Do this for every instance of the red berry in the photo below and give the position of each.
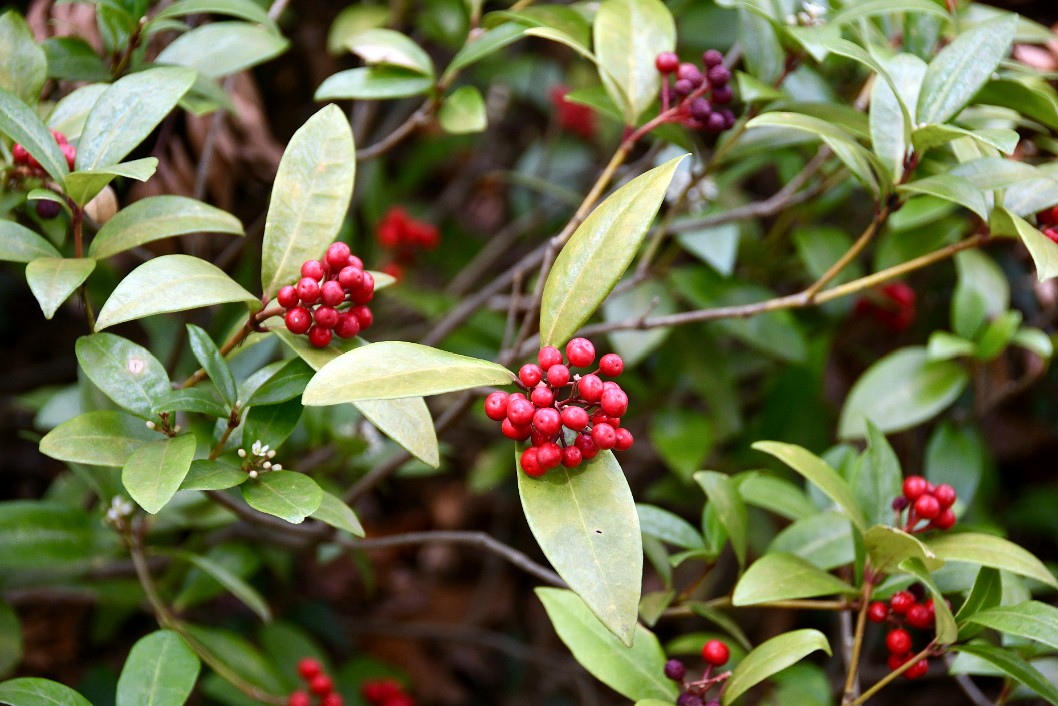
(299, 698)
(530, 374)
(604, 436)
(914, 487)
(901, 601)
(614, 403)
(520, 411)
(542, 396)
(517, 433)
(667, 62)
(379, 690)
(496, 406)
(19, 154)
(898, 661)
(399, 700)
(338, 255)
(623, 438)
(309, 668)
(319, 336)
(588, 448)
(549, 455)
(298, 320)
(287, 297)
(326, 316)
(927, 507)
(548, 356)
(363, 316)
(611, 364)
(365, 292)
(558, 375)
(332, 699)
(351, 277)
(348, 326)
(70, 153)
(918, 617)
(313, 269)
(59, 137)
(574, 418)
(878, 612)
(571, 457)
(321, 685)
(531, 463)
(945, 520)
(898, 641)
(590, 388)
(715, 653)
(945, 495)
(917, 670)
(580, 353)
(539, 438)
(547, 421)
(308, 290)
(332, 293)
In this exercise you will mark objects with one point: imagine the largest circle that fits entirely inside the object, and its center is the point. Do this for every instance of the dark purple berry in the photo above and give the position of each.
(712, 58)
(674, 668)
(690, 72)
(729, 118)
(723, 95)
(715, 123)
(701, 109)
(719, 75)
(47, 209)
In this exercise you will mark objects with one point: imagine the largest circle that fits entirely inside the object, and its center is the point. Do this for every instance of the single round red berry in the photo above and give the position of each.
(611, 365)
(558, 375)
(918, 617)
(614, 402)
(667, 62)
(332, 699)
(898, 641)
(319, 336)
(351, 277)
(70, 153)
(571, 457)
(332, 293)
(604, 436)
(539, 438)
(901, 601)
(338, 255)
(46, 208)
(878, 612)
(531, 462)
(530, 374)
(675, 670)
(574, 418)
(898, 661)
(590, 388)
(400, 699)
(517, 433)
(542, 396)
(380, 690)
(945, 495)
(496, 406)
(309, 668)
(19, 154)
(288, 296)
(326, 316)
(715, 653)
(610, 385)
(298, 320)
(348, 326)
(549, 455)
(580, 352)
(623, 438)
(321, 685)
(308, 290)
(364, 293)
(945, 520)
(547, 421)
(914, 487)
(927, 507)
(363, 315)
(520, 411)
(313, 269)
(299, 698)
(548, 356)
(917, 670)
(587, 446)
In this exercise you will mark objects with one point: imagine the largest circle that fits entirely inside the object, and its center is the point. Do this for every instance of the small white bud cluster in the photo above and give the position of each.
(811, 15)
(260, 455)
(119, 509)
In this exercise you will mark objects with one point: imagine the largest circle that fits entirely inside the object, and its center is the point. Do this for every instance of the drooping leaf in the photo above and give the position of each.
(585, 522)
(85, 184)
(154, 471)
(69, 114)
(157, 217)
(125, 371)
(100, 438)
(723, 495)
(33, 691)
(628, 34)
(777, 577)
(888, 546)
(950, 187)
(20, 122)
(161, 670)
(288, 495)
(771, 657)
(209, 357)
(35, 534)
(337, 514)
(23, 65)
(309, 197)
(408, 422)
(170, 283)
(53, 279)
(945, 628)
(1015, 666)
(989, 550)
(247, 594)
(1043, 250)
(598, 253)
(243, 9)
(218, 49)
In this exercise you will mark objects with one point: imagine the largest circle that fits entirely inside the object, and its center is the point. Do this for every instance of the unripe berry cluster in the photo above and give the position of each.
(694, 693)
(319, 685)
(925, 503)
(405, 237)
(555, 400)
(330, 299)
(905, 608)
(892, 305)
(385, 692)
(696, 92)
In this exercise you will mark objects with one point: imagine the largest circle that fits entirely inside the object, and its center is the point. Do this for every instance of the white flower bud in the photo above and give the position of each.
(242, 453)
(151, 425)
(253, 474)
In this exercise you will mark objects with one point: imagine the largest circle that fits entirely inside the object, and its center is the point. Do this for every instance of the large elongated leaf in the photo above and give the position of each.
(154, 471)
(628, 35)
(888, 135)
(36, 534)
(408, 422)
(1012, 664)
(309, 197)
(724, 497)
(170, 283)
(962, 67)
(776, 495)
(386, 47)
(19, 244)
(23, 65)
(668, 527)
(233, 583)
(771, 657)
(585, 522)
(778, 577)
(209, 357)
(33, 691)
(53, 279)
(950, 187)
(373, 83)
(285, 494)
(989, 550)
(888, 546)
(125, 371)
(243, 9)
(394, 369)
(221, 48)
(877, 478)
(336, 513)
(127, 112)
(1031, 619)
(161, 670)
(19, 122)
(157, 217)
(636, 672)
(598, 253)
(100, 438)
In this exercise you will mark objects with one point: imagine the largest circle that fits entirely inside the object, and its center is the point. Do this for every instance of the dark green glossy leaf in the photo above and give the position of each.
(23, 65)
(161, 670)
(484, 44)
(723, 495)
(771, 657)
(285, 494)
(32, 691)
(271, 424)
(202, 399)
(125, 371)
(154, 471)
(337, 514)
(35, 534)
(157, 217)
(101, 438)
(779, 577)
(53, 279)
(987, 592)
(221, 48)
(288, 382)
(209, 357)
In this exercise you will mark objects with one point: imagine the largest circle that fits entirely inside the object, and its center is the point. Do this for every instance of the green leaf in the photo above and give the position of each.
(585, 522)
(989, 550)
(1043, 250)
(101, 438)
(1033, 620)
(10, 639)
(636, 671)
(930, 136)
(337, 514)
(777, 495)
(20, 122)
(947, 632)
(682, 438)
(70, 112)
(945, 346)
(32, 691)
(961, 68)
(480, 46)
(668, 527)
(209, 357)
(23, 65)
(222, 48)
(950, 187)
(888, 131)
(287, 383)
(19, 244)
(285, 494)
(819, 472)
(235, 585)
(652, 296)
(352, 20)
(387, 47)
(154, 471)
(901, 390)
(127, 112)
(987, 592)
(628, 34)
(888, 546)
(870, 8)
(212, 475)
(74, 59)
(598, 253)
(771, 657)
(36, 534)
(85, 185)
(271, 424)
(394, 369)
(408, 422)
(778, 577)
(53, 279)
(1035, 340)
(373, 83)
(723, 495)
(202, 399)
(126, 372)
(243, 9)
(170, 283)
(310, 197)
(157, 217)
(463, 112)
(161, 670)
(877, 478)
(1015, 666)
(824, 539)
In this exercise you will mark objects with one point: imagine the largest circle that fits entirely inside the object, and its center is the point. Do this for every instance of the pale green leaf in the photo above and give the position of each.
(154, 471)
(408, 422)
(463, 111)
(126, 372)
(778, 577)
(85, 185)
(771, 657)
(231, 582)
(100, 438)
(337, 514)
(157, 217)
(628, 34)
(221, 48)
(53, 279)
(386, 47)
(33, 691)
(19, 244)
(724, 497)
(243, 9)
(20, 122)
(23, 65)
(888, 546)
(373, 83)
(161, 670)
(989, 550)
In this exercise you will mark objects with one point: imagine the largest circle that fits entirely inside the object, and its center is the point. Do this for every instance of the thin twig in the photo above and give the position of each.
(891, 676)
(852, 678)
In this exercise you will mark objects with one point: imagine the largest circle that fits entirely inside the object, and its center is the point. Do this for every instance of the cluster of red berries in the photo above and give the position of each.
(693, 693)
(405, 237)
(892, 305)
(46, 209)
(319, 685)
(313, 303)
(1048, 221)
(686, 96)
(573, 117)
(904, 608)
(554, 399)
(927, 503)
(385, 692)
